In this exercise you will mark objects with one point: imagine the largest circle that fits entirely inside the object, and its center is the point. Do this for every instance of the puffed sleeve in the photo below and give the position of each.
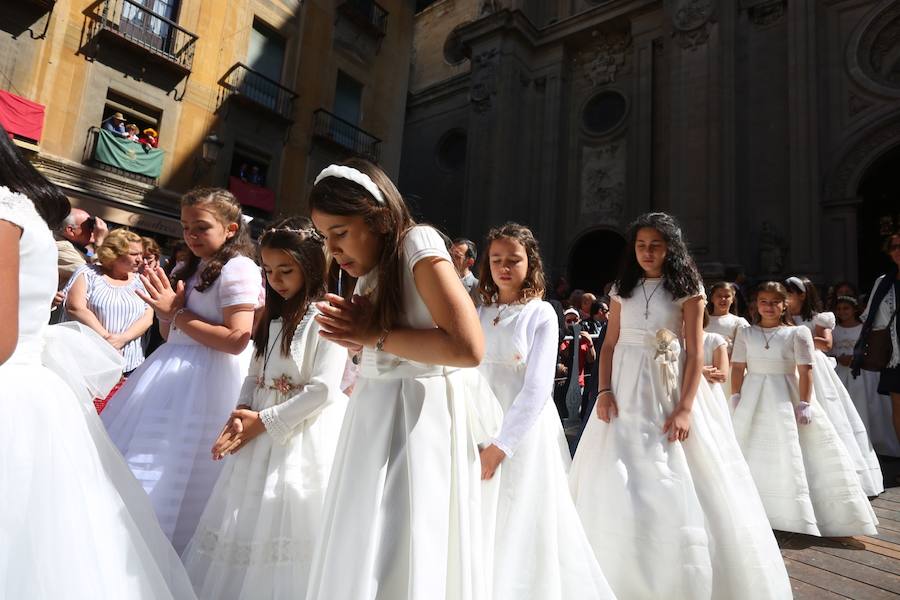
(541, 335)
(17, 209)
(804, 349)
(239, 282)
(320, 391)
(421, 242)
(825, 319)
(739, 350)
(683, 299)
(742, 322)
(614, 294)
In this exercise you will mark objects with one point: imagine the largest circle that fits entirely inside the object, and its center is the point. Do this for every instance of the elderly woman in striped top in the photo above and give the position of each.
(102, 296)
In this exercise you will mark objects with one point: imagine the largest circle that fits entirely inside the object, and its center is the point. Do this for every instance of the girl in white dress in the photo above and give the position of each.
(716, 368)
(874, 408)
(722, 310)
(802, 470)
(256, 537)
(402, 516)
(664, 494)
(540, 549)
(74, 524)
(167, 416)
(803, 305)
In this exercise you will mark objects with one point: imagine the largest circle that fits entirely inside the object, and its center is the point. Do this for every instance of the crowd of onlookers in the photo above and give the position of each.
(116, 125)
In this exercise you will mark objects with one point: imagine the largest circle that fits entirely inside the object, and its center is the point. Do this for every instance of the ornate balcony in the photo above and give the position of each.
(332, 129)
(135, 25)
(248, 86)
(367, 14)
(123, 157)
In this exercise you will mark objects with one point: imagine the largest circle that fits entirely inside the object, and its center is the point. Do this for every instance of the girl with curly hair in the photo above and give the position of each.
(169, 413)
(664, 494)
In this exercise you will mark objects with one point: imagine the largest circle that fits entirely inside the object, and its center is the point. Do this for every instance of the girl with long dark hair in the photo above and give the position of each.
(664, 494)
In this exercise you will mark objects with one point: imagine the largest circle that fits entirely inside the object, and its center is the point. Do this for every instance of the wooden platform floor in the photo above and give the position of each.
(863, 568)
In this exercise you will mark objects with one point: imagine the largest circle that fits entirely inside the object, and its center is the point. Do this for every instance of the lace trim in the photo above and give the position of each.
(275, 551)
(16, 208)
(274, 426)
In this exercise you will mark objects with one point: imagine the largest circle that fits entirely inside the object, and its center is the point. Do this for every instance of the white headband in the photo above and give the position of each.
(797, 283)
(357, 177)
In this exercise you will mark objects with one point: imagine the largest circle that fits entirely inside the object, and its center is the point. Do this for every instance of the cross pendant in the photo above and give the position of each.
(646, 314)
(496, 319)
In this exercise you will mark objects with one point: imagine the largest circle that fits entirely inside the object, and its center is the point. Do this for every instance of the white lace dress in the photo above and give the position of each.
(540, 549)
(74, 524)
(803, 472)
(402, 516)
(677, 520)
(256, 537)
(842, 413)
(170, 411)
(874, 409)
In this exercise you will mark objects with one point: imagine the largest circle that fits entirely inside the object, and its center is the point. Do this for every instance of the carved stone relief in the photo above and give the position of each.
(767, 13)
(843, 181)
(603, 182)
(484, 80)
(605, 58)
(692, 21)
(876, 48)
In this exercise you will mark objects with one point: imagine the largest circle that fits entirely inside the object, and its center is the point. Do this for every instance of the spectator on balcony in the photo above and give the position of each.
(116, 125)
(464, 253)
(132, 132)
(102, 296)
(149, 137)
(256, 177)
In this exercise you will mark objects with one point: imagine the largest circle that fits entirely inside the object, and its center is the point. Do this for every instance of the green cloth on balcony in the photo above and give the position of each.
(128, 156)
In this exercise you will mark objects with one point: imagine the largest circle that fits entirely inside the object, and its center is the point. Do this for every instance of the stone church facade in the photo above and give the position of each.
(771, 128)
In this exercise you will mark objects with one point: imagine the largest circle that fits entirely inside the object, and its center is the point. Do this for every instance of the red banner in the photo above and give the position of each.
(20, 116)
(252, 195)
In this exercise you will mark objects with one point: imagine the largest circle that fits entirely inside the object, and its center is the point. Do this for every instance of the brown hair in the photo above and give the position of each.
(722, 285)
(151, 247)
(116, 244)
(534, 284)
(391, 221)
(775, 288)
(886, 245)
(811, 303)
(227, 210)
(296, 237)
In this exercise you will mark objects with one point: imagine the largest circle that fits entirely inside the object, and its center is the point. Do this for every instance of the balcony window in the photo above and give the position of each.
(368, 15)
(148, 25)
(331, 129)
(248, 85)
(125, 157)
(247, 181)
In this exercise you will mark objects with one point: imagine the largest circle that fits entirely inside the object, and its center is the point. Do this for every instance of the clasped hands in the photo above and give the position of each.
(160, 295)
(343, 321)
(677, 425)
(242, 426)
(714, 375)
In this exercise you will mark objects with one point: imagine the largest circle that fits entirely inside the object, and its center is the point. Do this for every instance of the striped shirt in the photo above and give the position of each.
(117, 307)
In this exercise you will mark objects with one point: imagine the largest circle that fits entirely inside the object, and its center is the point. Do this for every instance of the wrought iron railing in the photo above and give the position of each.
(147, 29)
(330, 127)
(367, 13)
(252, 85)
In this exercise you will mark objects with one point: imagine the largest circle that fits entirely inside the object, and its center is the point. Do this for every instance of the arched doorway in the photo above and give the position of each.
(878, 213)
(594, 260)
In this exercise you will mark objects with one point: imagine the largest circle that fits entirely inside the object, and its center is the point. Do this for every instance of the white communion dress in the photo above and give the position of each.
(540, 550)
(402, 516)
(875, 410)
(711, 343)
(804, 474)
(74, 522)
(677, 520)
(256, 537)
(172, 408)
(727, 326)
(836, 401)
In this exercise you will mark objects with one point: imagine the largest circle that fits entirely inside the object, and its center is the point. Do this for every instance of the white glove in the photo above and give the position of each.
(735, 399)
(803, 412)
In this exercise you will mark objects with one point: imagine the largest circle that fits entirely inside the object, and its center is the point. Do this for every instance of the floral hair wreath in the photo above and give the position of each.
(309, 232)
(354, 175)
(848, 299)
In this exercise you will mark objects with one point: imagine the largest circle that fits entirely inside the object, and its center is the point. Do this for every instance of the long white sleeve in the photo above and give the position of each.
(321, 389)
(541, 337)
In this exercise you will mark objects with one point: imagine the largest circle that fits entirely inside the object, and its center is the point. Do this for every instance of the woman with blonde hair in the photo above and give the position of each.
(102, 296)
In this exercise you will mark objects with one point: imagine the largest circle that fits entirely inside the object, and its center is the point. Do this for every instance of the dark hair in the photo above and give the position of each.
(774, 287)
(831, 296)
(19, 175)
(886, 244)
(391, 221)
(471, 251)
(811, 304)
(296, 237)
(534, 284)
(680, 275)
(227, 210)
(722, 285)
